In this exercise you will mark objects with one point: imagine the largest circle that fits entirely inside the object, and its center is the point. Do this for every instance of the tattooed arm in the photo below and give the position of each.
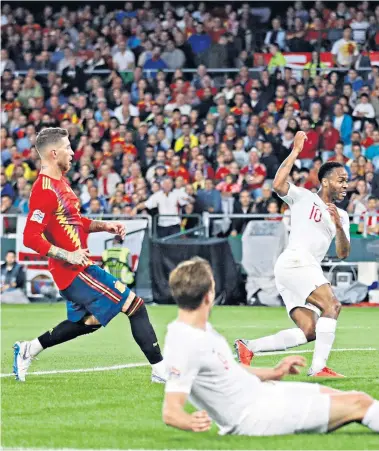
(79, 257)
(117, 228)
(98, 226)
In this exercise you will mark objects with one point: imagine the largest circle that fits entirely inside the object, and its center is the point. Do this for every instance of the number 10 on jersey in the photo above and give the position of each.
(316, 214)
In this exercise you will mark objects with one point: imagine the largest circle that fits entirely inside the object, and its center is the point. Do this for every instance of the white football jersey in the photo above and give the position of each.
(312, 228)
(201, 364)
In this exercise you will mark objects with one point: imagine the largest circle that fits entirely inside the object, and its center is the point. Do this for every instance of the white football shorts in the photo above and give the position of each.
(286, 408)
(297, 275)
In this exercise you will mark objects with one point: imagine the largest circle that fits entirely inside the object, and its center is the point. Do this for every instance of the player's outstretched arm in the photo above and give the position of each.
(104, 226)
(286, 366)
(280, 184)
(174, 414)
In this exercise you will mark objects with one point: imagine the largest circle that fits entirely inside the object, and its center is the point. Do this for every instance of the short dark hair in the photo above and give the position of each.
(327, 168)
(49, 136)
(190, 281)
(11, 251)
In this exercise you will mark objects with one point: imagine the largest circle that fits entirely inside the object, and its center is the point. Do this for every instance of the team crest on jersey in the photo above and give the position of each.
(120, 286)
(37, 216)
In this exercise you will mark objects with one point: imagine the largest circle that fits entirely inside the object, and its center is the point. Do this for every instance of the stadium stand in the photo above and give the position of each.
(210, 95)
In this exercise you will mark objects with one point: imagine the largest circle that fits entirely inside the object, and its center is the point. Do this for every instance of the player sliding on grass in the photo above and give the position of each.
(56, 228)
(307, 295)
(241, 400)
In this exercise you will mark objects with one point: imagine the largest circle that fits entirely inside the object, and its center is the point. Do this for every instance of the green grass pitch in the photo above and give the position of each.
(121, 409)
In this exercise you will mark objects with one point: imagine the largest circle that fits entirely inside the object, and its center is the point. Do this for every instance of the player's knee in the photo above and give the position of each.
(136, 307)
(309, 332)
(91, 321)
(362, 402)
(91, 324)
(332, 308)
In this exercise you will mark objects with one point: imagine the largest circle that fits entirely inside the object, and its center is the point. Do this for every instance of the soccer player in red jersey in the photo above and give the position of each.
(55, 228)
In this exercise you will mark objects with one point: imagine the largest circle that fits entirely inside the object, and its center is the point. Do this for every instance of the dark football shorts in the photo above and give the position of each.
(95, 292)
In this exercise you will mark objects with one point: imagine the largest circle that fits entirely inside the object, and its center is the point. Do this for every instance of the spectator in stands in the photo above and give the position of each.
(95, 207)
(269, 160)
(254, 174)
(12, 274)
(273, 209)
(209, 198)
(277, 59)
(345, 50)
(311, 144)
(276, 35)
(243, 206)
(123, 59)
(329, 137)
(343, 123)
(6, 187)
(354, 80)
(93, 193)
(362, 112)
(155, 62)
(173, 57)
(6, 63)
(200, 41)
(359, 26)
(167, 203)
(358, 201)
(370, 219)
(108, 181)
(372, 152)
(9, 223)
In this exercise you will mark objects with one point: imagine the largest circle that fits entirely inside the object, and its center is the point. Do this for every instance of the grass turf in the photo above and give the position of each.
(121, 409)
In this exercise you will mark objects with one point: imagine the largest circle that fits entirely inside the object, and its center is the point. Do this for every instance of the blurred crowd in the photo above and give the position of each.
(215, 139)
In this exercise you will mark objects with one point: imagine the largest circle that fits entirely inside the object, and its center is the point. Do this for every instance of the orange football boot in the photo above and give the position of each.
(244, 354)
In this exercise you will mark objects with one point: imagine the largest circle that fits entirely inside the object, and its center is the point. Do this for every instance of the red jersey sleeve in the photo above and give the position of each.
(86, 224)
(43, 204)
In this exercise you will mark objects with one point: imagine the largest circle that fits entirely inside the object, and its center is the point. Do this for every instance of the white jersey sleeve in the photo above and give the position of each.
(152, 201)
(183, 364)
(294, 194)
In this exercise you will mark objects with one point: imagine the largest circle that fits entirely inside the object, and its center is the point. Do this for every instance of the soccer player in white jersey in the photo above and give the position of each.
(241, 400)
(307, 294)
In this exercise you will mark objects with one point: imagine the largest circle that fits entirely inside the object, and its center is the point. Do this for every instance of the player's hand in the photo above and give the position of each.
(117, 228)
(298, 142)
(289, 366)
(200, 421)
(332, 209)
(79, 257)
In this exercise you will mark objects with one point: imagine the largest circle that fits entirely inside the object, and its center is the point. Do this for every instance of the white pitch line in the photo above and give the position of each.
(135, 365)
(252, 326)
(82, 370)
(305, 351)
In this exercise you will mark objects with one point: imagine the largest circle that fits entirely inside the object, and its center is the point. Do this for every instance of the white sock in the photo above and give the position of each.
(284, 339)
(371, 419)
(35, 347)
(159, 367)
(325, 334)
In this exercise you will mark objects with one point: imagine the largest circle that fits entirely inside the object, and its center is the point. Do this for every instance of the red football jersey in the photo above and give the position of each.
(55, 218)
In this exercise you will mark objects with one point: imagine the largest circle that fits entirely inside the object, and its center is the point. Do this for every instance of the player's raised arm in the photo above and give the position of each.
(280, 185)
